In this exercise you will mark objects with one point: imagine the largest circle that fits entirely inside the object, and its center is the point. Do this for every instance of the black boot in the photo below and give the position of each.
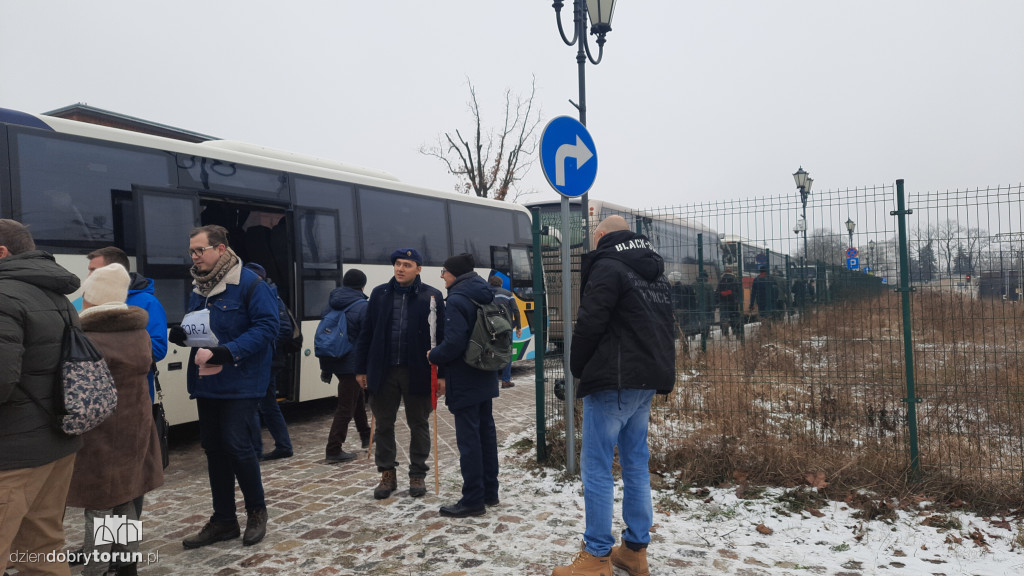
(255, 526)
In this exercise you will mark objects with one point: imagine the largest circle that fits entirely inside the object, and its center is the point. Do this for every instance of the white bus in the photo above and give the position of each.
(81, 186)
(675, 239)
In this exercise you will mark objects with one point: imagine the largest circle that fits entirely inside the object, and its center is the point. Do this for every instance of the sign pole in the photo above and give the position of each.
(570, 389)
(569, 159)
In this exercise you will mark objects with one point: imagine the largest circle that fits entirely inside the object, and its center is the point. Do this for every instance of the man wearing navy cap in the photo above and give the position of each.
(391, 363)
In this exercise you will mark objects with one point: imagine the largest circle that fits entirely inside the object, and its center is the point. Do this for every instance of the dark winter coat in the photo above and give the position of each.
(373, 352)
(730, 292)
(623, 337)
(33, 308)
(120, 459)
(464, 385)
(340, 299)
(245, 322)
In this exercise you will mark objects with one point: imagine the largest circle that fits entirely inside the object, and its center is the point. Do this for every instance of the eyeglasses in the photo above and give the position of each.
(198, 252)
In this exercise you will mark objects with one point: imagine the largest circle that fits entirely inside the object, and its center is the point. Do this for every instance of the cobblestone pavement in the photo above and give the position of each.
(324, 520)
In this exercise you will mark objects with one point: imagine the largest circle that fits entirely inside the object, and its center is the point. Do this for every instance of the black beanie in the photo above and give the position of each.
(354, 279)
(459, 265)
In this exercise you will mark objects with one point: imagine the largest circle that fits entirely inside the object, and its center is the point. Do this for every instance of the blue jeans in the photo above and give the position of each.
(270, 414)
(610, 418)
(477, 439)
(506, 373)
(225, 433)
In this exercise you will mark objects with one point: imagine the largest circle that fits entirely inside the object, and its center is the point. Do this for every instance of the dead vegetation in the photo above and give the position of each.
(823, 395)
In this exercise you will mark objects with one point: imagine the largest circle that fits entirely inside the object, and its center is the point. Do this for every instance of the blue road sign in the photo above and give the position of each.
(761, 258)
(568, 156)
(853, 263)
(851, 252)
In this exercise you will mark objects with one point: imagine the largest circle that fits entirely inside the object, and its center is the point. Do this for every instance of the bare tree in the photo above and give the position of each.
(947, 239)
(827, 246)
(494, 161)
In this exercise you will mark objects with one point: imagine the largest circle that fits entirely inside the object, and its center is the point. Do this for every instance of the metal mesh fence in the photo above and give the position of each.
(792, 353)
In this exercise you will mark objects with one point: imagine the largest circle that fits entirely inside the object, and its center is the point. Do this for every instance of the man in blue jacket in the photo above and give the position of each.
(391, 362)
(469, 392)
(623, 352)
(231, 326)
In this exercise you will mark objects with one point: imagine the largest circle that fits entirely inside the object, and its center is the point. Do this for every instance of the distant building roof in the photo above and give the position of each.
(82, 112)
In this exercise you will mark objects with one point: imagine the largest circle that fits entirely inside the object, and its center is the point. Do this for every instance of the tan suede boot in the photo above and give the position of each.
(585, 564)
(388, 484)
(633, 562)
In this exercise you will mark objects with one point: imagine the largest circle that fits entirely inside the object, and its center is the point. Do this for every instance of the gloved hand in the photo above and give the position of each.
(325, 376)
(177, 336)
(221, 355)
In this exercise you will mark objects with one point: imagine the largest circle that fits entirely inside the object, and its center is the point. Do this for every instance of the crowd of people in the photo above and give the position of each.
(407, 346)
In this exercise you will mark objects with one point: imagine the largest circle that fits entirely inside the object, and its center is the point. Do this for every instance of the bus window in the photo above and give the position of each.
(322, 194)
(231, 178)
(393, 220)
(476, 228)
(65, 185)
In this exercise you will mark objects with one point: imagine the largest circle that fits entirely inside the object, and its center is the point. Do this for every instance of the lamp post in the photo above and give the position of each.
(803, 183)
(600, 14)
(850, 227)
(800, 228)
(871, 255)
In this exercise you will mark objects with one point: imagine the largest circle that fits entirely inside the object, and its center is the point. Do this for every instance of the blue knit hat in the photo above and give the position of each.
(407, 254)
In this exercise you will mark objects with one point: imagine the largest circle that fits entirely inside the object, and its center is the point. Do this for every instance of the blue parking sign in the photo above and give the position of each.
(853, 263)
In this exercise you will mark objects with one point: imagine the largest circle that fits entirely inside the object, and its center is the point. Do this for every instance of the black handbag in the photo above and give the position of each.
(160, 420)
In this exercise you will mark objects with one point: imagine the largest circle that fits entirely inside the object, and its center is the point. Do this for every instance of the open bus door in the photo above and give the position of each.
(157, 223)
(317, 237)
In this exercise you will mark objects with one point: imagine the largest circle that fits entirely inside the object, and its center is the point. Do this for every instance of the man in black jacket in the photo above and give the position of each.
(623, 352)
(391, 362)
(36, 458)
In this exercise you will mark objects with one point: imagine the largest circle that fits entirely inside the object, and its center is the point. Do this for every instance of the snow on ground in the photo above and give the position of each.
(700, 531)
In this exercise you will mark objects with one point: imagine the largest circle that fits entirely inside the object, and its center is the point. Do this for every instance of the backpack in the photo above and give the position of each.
(490, 343)
(331, 339)
(85, 392)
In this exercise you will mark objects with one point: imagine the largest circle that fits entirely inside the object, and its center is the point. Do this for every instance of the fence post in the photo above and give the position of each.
(701, 301)
(908, 343)
(539, 335)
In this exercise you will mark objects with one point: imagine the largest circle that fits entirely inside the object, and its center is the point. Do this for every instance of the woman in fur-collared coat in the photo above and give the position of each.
(120, 459)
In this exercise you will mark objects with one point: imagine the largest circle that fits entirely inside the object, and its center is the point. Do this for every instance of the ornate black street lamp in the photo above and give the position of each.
(600, 15)
(803, 183)
(850, 227)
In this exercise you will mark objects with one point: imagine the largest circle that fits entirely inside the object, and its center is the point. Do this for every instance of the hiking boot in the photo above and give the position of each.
(255, 526)
(507, 384)
(585, 564)
(492, 502)
(634, 562)
(388, 484)
(365, 441)
(342, 457)
(417, 487)
(211, 533)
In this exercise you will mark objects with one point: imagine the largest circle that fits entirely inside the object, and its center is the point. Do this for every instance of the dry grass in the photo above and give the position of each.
(825, 393)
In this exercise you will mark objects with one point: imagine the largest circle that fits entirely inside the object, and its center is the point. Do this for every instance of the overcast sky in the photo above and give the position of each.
(694, 101)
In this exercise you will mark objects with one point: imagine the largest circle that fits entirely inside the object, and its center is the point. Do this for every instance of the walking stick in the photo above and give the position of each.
(432, 323)
(373, 426)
